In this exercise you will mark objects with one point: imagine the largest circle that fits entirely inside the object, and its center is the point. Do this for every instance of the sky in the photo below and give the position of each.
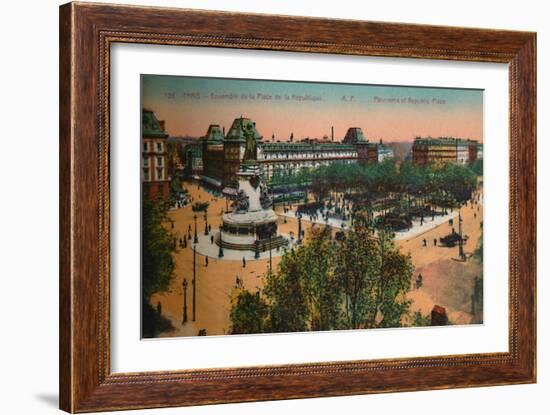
(392, 113)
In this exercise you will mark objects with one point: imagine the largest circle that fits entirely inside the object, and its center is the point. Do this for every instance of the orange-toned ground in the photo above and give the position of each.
(446, 281)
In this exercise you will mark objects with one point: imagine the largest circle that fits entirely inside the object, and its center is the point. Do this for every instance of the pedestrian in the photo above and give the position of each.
(212, 239)
(244, 262)
(435, 241)
(209, 228)
(424, 242)
(206, 260)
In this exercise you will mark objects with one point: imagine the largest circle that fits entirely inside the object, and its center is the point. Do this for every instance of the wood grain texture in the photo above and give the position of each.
(86, 33)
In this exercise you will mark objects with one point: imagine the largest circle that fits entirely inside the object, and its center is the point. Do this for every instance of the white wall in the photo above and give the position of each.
(28, 254)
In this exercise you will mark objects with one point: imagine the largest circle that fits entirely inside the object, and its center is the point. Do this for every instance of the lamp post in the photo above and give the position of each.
(299, 228)
(196, 238)
(270, 263)
(194, 280)
(460, 241)
(205, 224)
(220, 251)
(257, 249)
(184, 284)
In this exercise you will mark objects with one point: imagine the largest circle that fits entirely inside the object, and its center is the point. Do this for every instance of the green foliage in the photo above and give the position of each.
(152, 321)
(450, 182)
(358, 282)
(418, 320)
(477, 167)
(157, 246)
(477, 301)
(374, 277)
(249, 312)
(157, 266)
(307, 273)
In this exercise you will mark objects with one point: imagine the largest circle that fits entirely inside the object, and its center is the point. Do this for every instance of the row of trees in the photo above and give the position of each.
(359, 281)
(444, 181)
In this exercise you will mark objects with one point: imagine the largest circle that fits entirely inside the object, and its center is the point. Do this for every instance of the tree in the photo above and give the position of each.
(249, 312)
(157, 264)
(359, 281)
(374, 277)
(285, 293)
(157, 247)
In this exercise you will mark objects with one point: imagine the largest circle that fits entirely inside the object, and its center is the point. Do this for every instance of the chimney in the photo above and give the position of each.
(223, 129)
(332, 133)
(291, 137)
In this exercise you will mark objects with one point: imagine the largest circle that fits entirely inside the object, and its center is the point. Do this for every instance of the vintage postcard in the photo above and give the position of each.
(283, 206)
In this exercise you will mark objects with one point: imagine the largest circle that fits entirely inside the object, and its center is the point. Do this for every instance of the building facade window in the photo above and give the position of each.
(145, 146)
(159, 173)
(159, 147)
(146, 174)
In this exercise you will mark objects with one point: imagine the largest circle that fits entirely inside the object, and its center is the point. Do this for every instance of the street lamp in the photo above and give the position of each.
(257, 249)
(220, 251)
(460, 241)
(205, 224)
(194, 280)
(270, 263)
(299, 228)
(184, 284)
(196, 238)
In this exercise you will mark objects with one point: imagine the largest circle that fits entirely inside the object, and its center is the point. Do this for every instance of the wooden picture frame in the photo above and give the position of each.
(86, 33)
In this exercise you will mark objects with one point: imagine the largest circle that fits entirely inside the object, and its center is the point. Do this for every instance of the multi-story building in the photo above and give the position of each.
(211, 154)
(193, 160)
(223, 156)
(378, 152)
(479, 151)
(154, 171)
(463, 152)
(444, 150)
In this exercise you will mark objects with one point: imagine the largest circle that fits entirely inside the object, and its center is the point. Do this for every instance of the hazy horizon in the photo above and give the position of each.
(392, 113)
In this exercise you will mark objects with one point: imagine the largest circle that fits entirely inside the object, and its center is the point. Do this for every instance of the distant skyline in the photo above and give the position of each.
(392, 113)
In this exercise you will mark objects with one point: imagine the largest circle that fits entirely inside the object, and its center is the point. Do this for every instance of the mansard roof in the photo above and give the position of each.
(150, 125)
(301, 146)
(238, 128)
(214, 133)
(440, 141)
(354, 135)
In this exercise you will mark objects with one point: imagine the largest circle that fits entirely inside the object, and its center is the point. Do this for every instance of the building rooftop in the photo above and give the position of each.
(214, 133)
(442, 141)
(238, 128)
(354, 135)
(306, 146)
(150, 125)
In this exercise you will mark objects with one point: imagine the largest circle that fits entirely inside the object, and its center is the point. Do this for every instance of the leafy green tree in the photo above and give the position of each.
(157, 267)
(320, 288)
(157, 247)
(374, 276)
(249, 312)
